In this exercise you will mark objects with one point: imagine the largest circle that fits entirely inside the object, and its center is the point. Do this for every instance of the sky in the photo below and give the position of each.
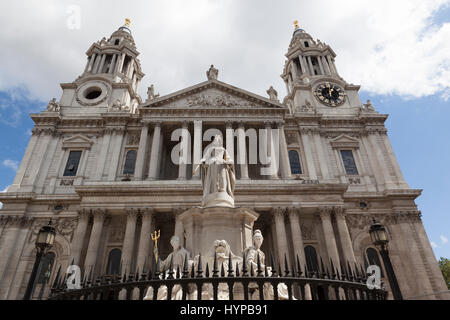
(398, 51)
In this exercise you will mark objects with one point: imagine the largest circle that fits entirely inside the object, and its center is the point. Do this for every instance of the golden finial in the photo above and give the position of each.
(296, 24)
(127, 22)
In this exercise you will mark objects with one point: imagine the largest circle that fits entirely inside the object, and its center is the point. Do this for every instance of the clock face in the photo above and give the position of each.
(330, 94)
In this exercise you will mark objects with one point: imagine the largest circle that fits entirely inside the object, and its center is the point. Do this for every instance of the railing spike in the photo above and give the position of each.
(244, 266)
(124, 276)
(363, 273)
(90, 277)
(280, 272)
(259, 271)
(171, 268)
(73, 262)
(299, 267)
(185, 267)
(266, 271)
(286, 266)
(252, 272)
(199, 267)
(136, 277)
(307, 274)
(193, 271)
(333, 273)
(222, 271)
(207, 270)
(237, 269)
(177, 274)
(274, 269)
(230, 266)
(322, 269)
(350, 271)
(328, 273)
(215, 269)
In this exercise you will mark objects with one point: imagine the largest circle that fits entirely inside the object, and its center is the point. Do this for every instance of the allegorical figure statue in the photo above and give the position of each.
(217, 174)
(222, 251)
(177, 257)
(212, 73)
(251, 259)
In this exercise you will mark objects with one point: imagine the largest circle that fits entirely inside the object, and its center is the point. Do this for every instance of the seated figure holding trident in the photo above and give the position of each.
(218, 178)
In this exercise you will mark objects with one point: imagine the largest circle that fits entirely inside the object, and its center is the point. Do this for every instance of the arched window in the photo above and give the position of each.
(113, 266)
(306, 44)
(294, 160)
(130, 162)
(46, 267)
(311, 259)
(374, 259)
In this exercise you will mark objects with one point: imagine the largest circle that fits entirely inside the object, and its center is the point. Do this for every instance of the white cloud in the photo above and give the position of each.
(12, 164)
(391, 47)
(444, 239)
(434, 245)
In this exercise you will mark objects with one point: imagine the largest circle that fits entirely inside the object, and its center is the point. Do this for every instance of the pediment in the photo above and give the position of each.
(212, 94)
(345, 141)
(78, 141)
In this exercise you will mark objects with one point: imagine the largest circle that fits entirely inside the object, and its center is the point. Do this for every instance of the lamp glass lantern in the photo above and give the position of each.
(45, 237)
(378, 234)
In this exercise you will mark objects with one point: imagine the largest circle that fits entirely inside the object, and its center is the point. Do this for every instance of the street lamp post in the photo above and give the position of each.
(380, 239)
(44, 241)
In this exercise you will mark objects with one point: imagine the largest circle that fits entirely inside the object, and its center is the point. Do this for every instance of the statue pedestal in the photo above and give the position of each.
(203, 226)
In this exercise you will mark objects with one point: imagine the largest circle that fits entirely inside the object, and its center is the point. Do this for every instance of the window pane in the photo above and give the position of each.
(46, 267)
(130, 162)
(311, 259)
(294, 160)
(349, 162)
(72, 164)
(113, 266)
(372, 256)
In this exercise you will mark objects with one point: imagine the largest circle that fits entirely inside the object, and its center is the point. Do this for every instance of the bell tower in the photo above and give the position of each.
(312, 81)
(110, 79)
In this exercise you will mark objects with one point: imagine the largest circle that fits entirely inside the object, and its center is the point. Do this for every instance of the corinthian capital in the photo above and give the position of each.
(132, 213)
(147, 213)
(325, 212)
(278, 212)
(339, 212)
(99, 214)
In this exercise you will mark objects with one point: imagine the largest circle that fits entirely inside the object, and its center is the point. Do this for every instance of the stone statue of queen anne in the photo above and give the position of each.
(218, 178)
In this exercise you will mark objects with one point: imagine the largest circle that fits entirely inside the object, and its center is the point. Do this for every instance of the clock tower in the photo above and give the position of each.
(312, 81)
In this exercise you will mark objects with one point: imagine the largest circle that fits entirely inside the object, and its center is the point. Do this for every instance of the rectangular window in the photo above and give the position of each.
(72, 163)
(349, 162)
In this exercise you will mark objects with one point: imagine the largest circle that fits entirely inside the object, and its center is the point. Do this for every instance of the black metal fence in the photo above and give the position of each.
(238, 283)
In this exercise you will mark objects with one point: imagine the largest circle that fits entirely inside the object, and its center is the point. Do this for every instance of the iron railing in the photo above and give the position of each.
(240, 283)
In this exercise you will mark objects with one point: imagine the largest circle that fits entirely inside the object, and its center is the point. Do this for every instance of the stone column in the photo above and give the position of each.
(280, 228)
(242, 151)
(319, 61)
(331, 64)
(344, 235)
(153, 167)
(117, 145)
(307, 147)
(372, 137)
(330, 240)
(302, 64)
(325, 63)
(128, 242)
(103, 153)
(393, 159)
(145, 240)
(230, 139)
(142, 152)
(102, 63)
(94, 240)
(38, 161)
(294, 71)
(310, 65)
(296, 231)
(79, 235)
(16, 239)
(285, 166)
(305, 63)
(184, 151)
(87, 64)
(112, 66)
(198, 154)
(272, 167)
(120, 62)
(96, 64)
(91, 63)
(321, 154)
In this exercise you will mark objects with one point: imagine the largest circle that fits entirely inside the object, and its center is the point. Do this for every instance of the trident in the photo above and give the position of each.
(155, 238)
